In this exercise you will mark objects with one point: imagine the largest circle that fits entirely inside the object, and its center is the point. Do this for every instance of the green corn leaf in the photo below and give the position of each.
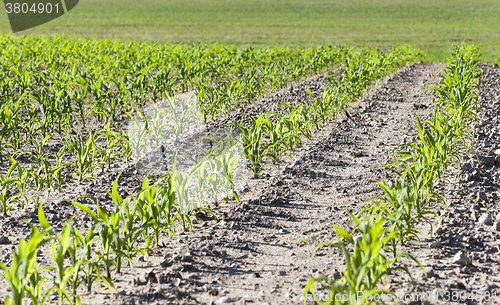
(42, 219)
(344, 234)
(86, 209)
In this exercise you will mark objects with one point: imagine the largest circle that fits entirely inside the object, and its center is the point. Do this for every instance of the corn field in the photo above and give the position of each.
(92, 97)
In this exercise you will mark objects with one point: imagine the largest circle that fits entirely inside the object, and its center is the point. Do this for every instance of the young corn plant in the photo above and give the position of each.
(148, 214)
(108, 230)
(22, 176)
(145, 216)
(23, 266)
(78, 256)
(403, 206)
(85, 256)
(124, 148)
(157, 125)
(278, 133)
(184, 201)
(366, 265)
(34, 289)
(107, 154)
(298, 125)
(5, 182)
(137, 136)
(253, 149)
(132, 232)
(61, 246)
(159, 199)
(57, 174)
(182, 114)
(85, 154)
(216, 174)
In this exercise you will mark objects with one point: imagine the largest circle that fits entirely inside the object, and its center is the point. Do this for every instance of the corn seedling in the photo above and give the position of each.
(107, 228)
(61, 246)
(5, 182)
(23, 266)
(22, 184)
(366, 265)
(153, 204)
(57, 170)
(137, 136)
(253, 149)
(274, 151)
(184, 202)
(85, 154)
(182, 114)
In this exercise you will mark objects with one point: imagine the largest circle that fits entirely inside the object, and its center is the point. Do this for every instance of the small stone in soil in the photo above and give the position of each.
(429, 271)
(166, 263)
(224, 300)
(187, 266)
(160, 277)
(467, 167)
(158, 290)
(462, 209)
(455, 284)
(4, 240)
(63, 203)
(192, 276)
(187, 258)
(436, 244)
(486, 288)
(482, 195)
(53, 296)
(459, 258)
(486, 219)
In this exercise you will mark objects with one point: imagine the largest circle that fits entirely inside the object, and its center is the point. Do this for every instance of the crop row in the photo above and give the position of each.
(392, 219)
(43, 96)
(270, 136)
(47, 84)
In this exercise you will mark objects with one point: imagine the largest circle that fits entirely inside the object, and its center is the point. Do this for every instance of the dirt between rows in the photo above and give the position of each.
(258, 252)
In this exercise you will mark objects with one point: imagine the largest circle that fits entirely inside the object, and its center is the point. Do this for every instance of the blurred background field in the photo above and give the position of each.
(426, 24)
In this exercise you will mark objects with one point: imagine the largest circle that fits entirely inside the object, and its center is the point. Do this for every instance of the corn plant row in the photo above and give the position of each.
(442, 141)
(47, 84)
(133, 227)
(115, 237)
(270, 136)
(422, 167)
(50, 171)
